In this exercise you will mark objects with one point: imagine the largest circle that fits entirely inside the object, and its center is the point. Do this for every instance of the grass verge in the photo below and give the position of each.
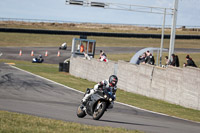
(45, 40)
(21, 123)
(93, 27)
(50, 71)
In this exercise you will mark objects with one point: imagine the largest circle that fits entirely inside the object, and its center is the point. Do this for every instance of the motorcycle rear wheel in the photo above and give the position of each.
(98, 113)
(80, 112)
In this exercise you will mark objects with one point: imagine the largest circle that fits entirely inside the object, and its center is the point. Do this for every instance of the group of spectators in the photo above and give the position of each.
(146, 58)
(175, 61)
(102, 56)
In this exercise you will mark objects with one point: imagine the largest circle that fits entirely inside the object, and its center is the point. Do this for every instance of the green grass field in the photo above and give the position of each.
(44, 40)
(21, 123)
(21, 39)
(94, 27)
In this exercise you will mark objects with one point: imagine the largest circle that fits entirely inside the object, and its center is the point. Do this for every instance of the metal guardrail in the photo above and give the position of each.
(128, 35)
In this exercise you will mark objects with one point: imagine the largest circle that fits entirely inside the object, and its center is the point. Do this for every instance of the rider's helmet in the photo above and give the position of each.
(40, 56)
(113, 80)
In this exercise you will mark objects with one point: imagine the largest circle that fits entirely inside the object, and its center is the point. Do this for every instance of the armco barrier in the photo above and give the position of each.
(179, 86)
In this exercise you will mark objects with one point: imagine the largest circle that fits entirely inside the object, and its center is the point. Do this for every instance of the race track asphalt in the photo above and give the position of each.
(26, 93)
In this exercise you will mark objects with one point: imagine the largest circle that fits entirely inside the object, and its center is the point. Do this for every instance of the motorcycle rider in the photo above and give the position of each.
(63, 46)
(40, 59)
(110, 85)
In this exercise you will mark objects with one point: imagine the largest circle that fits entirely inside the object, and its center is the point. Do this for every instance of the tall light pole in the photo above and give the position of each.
(162, 38)
(173, 29)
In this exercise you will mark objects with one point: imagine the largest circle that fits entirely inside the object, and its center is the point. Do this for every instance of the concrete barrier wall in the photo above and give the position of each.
(190, 87)
(92, 70)
(134, 78)
(179, 86)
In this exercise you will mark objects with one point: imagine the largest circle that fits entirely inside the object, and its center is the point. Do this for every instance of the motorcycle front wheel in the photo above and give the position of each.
(99, 110)
(80, 112)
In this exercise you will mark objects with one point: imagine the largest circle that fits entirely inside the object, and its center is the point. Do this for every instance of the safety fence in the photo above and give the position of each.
(179, 86)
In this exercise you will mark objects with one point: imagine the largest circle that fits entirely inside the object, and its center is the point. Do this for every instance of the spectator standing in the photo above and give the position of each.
(167, 61)
(149, 59)
(82, 48)
(174, 60)
(190, 62)
(102, 53)
(103, 56)
(141, 59)
(177, 61)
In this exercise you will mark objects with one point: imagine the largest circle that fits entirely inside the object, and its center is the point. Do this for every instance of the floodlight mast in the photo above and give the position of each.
(162, 38)
(139, 8)
(98, 4)
(75, 2)
(173, 29)
(117, 6)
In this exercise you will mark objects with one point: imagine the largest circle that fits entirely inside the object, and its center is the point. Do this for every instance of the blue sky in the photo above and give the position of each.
(188, 12)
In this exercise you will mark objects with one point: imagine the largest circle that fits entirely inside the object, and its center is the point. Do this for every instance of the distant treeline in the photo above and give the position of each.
(105, 34)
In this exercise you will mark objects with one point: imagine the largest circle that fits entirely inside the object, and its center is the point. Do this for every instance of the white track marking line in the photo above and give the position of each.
(131, 106)
(48, 79)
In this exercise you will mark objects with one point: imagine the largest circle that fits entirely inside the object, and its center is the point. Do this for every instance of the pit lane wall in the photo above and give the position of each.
(179, 86)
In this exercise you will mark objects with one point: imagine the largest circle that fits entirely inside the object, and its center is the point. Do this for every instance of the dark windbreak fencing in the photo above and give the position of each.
(128, 35)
